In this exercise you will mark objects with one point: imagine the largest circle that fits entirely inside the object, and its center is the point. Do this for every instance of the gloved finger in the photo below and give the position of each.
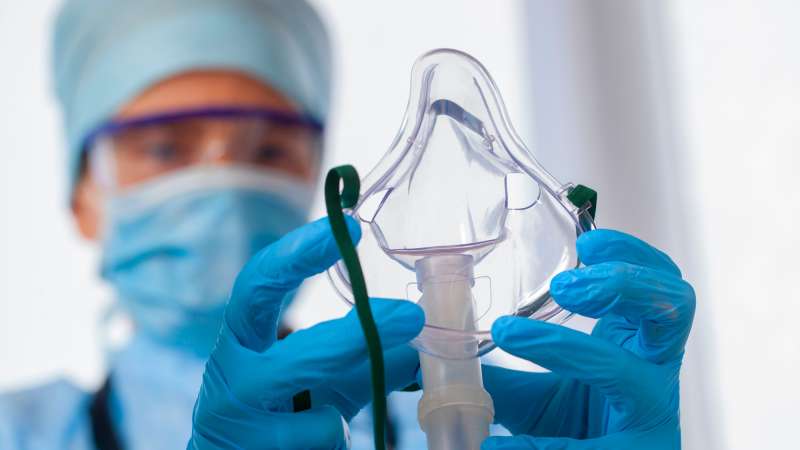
(348, 392)
(309, 358)
(615, 441)
(321, 427)
(402, 365)
(520, 398)
(599, 246)
(615, 372)
(662, 305)
(275, 271)
(525, 442)
(616, 329)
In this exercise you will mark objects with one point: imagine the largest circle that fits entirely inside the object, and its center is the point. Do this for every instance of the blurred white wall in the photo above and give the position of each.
(49, 300)
(601, 82)
(685, 117)
(738, 69)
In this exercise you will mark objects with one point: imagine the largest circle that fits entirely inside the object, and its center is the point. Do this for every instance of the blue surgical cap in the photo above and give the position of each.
(105, 52)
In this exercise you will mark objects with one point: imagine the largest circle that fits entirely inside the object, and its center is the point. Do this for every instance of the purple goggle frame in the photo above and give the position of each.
(273, 115)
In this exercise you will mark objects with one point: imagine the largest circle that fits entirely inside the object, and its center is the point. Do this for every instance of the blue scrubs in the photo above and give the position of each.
(152, 395)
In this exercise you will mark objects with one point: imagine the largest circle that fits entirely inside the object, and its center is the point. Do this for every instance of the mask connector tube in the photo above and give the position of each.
(455, 410)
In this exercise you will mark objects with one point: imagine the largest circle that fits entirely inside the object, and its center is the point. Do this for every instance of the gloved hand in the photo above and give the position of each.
(246, 399)
(616, 389)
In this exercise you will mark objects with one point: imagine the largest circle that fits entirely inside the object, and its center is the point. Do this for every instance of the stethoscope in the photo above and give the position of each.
(103, 433)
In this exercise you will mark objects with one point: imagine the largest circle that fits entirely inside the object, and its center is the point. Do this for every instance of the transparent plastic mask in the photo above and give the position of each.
(457, 182)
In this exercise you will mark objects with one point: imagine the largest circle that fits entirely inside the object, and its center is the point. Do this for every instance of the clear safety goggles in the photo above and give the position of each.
(126, 152)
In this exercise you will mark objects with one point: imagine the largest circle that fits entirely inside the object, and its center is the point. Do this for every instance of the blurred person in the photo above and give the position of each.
(194, 138)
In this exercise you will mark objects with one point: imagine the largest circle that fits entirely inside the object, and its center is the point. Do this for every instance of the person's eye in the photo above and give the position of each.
(270, 153)
(161, 152)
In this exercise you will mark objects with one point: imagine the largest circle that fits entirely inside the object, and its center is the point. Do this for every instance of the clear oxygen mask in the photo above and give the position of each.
(460, 217)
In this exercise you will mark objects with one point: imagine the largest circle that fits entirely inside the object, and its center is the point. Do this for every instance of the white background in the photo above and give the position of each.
(736, 71)
(740, 79)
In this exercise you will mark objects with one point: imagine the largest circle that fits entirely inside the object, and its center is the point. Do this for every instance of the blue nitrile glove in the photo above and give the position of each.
(246, 399)
(616, 389)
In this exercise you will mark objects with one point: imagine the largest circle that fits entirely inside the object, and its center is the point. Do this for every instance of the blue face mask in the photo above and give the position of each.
(172, 247)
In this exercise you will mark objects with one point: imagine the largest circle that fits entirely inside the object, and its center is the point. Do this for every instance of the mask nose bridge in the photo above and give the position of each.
(520, 191)
(459, 114)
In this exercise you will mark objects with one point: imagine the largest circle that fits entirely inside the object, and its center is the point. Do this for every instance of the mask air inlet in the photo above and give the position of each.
(455, 411)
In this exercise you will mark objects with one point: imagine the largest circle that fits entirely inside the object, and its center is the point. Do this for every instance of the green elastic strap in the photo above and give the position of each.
(583, 196)
(335, 201)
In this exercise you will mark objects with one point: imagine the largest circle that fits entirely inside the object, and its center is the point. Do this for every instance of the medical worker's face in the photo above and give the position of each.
(293, 151)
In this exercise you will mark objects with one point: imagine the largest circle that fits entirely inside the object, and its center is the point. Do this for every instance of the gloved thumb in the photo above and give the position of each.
(275, 271)
(321, 427)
